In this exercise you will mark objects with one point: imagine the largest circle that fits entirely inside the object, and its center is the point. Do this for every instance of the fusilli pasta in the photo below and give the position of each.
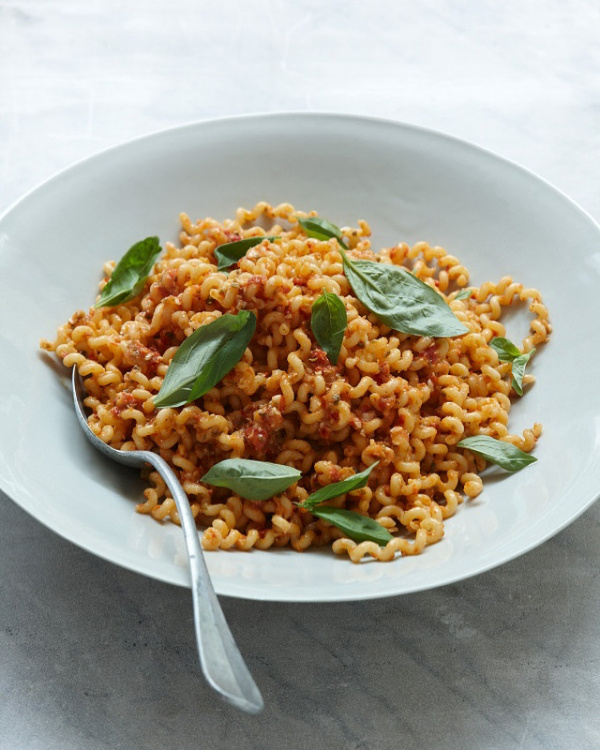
(402, 400)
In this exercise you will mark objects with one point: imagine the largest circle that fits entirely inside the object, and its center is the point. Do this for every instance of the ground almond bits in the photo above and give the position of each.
(402, 400)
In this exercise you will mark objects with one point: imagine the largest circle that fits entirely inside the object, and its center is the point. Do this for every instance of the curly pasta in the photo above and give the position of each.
(402, 400)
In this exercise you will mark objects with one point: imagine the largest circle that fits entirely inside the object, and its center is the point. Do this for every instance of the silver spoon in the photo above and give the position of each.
(220, 659)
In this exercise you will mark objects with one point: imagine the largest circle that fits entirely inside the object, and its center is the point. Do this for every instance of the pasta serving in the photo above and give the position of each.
(402, 401)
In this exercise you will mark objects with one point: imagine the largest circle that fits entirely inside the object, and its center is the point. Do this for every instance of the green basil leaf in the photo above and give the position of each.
(508, 352)
(205, 357)
(328, 321)
(505, 455)
(396, 297)
(336, 489)
(129, 275)
(505, 349)
(463, 294)
(518, 370)
(401, 300)
(356, 526)
(231, 252)
(254, 480)
(321, 229)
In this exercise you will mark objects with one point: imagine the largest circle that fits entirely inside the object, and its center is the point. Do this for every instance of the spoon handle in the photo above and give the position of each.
(220, 658)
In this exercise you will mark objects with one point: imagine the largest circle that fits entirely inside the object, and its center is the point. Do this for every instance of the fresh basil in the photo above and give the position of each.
(463, 294)
(508, 352)
(129, 275)
(395, 296)
(505, 455)
(401, 300)
(355, 482)
(231, 252)
(328, 321)
(321, 229)
(356, 526)
(518, 370)
(205, 357)
(505, 349)
(254, 480)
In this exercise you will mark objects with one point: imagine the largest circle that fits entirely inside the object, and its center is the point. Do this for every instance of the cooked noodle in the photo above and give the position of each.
(402, 400)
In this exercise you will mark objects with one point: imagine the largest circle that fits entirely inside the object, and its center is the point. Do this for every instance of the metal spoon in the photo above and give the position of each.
(220, 659)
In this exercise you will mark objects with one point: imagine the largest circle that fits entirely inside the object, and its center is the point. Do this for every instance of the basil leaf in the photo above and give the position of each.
(328, 321)
(205, 357)
(254, 480)
(231, 252)
(463, 294)
(518, 370)
(130, 274)
(396, 297)
(401, 300)
(505, 455)
(321, 229)
(336, 489)
(356, 526)
(505, 349)
(508, 352)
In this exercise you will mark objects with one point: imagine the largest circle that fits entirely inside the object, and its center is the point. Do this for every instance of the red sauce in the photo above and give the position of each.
(324, 431)
(256, 280)
(164, 340)
(386, 403)
(260, 429)
(146, 359)
(319, 361)
(256, 436)
(123, 401)
(432, 354)
(383, 374)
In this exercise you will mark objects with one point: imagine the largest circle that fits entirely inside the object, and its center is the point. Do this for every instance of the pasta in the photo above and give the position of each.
(402, 400)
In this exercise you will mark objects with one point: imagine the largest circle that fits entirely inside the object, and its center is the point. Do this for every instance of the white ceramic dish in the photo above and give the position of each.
(410, 184)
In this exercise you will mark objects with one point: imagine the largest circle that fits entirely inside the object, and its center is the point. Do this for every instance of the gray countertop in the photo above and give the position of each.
(96, 657)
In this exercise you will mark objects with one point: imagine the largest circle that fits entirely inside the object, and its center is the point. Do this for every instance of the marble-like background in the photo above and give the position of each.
(95, 657)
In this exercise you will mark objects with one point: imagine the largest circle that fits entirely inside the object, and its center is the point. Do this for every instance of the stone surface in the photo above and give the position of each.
(97, 657)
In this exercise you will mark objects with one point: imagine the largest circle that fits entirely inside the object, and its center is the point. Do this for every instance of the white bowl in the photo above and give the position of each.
(410, 184)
